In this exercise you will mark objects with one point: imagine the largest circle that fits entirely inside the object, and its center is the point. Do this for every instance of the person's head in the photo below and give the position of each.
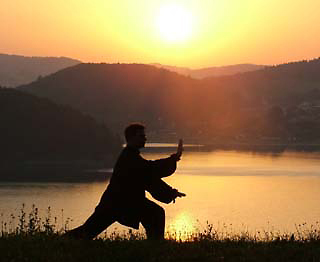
(135, 135)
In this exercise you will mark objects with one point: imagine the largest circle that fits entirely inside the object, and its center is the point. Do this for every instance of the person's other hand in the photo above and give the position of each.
(177, 194)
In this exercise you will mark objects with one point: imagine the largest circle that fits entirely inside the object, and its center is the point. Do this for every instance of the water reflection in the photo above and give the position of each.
(231, 163)
(182, 226)
(245, 190)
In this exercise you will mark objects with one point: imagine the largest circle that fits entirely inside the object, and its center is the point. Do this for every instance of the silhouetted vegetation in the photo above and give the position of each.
(52, 248)
(274, 105)
(36, 131)
(34, 239)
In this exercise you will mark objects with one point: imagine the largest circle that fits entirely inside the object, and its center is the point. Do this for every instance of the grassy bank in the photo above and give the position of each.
(37, 239)
(53, 248)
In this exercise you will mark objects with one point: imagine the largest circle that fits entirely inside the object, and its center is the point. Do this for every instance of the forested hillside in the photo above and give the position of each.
(280, 102)
(36, 129)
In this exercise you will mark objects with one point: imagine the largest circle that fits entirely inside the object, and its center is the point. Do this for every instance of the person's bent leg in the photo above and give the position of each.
(95, 224)
(153, 220)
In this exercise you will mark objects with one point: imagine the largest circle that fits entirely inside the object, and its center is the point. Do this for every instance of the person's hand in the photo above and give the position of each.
(177, 194)
(180, 148)
(177, 155)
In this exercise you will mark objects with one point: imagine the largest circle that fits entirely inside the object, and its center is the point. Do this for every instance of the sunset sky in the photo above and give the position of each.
(192, 33)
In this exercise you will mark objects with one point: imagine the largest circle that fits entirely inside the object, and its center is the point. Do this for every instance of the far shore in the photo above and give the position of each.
(95, 171)
(309, 147)
(272, 147)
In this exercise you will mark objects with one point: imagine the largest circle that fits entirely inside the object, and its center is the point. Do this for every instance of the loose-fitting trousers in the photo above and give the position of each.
(152, 218)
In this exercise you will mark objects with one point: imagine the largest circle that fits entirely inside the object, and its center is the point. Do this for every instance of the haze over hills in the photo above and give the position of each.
(278, 102)
(17, 70)
(212, 71)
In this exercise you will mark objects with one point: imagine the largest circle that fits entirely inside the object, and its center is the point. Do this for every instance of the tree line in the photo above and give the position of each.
(35, 128)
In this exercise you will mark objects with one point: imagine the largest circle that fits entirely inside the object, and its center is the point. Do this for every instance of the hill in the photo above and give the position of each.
(36, 133)
(277, 103)
(212, 71)
(117, 93)
(17, 70)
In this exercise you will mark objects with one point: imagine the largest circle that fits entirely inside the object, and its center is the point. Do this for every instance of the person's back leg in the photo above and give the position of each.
(95, 224)
(153, 220)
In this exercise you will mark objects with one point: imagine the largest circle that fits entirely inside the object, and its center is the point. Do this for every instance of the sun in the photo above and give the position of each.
(174, 23)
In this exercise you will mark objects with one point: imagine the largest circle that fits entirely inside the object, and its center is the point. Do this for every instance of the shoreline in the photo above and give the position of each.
(55, 175)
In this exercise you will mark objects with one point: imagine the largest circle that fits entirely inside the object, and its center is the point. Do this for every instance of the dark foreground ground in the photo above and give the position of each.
(34, 238)
(53, 248)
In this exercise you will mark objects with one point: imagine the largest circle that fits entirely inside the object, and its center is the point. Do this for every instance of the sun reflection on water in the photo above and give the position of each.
(182, 226)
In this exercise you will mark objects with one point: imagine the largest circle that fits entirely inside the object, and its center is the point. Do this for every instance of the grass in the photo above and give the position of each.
(37, 239)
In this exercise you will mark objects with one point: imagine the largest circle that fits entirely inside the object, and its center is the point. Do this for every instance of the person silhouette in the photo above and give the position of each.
(124, 199)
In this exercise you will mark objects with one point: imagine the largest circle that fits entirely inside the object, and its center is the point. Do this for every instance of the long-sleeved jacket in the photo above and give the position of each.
(132, 175)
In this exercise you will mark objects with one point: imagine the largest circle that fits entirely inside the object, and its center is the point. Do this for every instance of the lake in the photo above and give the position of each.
(234, 191)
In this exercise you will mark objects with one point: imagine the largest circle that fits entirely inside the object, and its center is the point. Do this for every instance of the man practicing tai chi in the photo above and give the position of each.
(124, 199)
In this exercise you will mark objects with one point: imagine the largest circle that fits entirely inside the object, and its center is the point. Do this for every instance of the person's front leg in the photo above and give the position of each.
(153, 220)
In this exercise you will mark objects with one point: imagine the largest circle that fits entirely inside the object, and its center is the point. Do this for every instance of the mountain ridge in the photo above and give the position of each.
(214, 71)
(16, 70)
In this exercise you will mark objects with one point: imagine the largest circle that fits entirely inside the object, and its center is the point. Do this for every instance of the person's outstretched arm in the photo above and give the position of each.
(166, 166)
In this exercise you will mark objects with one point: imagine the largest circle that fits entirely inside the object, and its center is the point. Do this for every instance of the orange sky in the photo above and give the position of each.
(220, 32)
